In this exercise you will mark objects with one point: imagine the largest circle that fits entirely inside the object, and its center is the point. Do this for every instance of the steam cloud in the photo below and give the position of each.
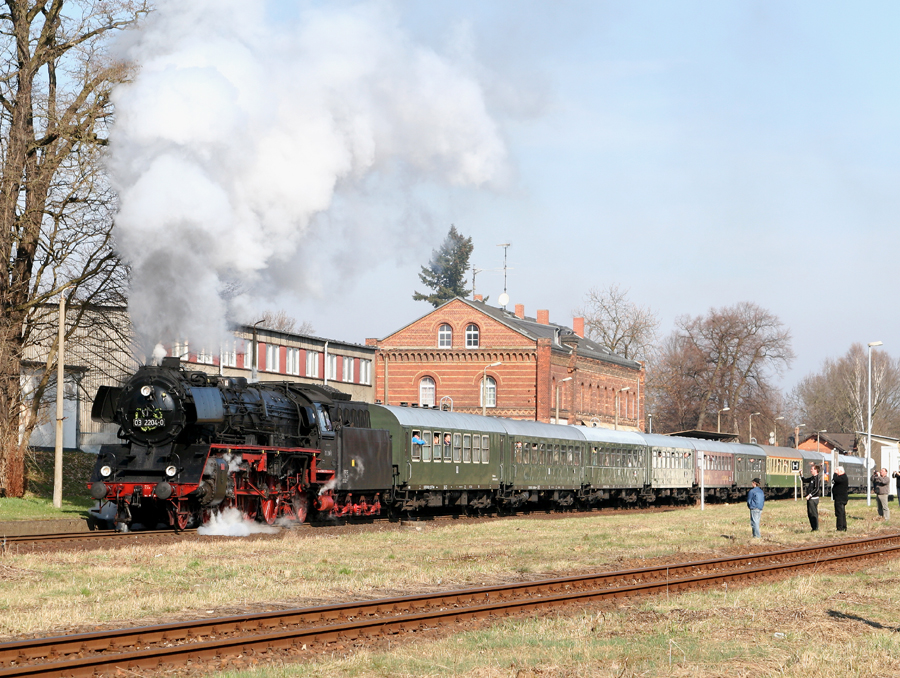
(236, 132)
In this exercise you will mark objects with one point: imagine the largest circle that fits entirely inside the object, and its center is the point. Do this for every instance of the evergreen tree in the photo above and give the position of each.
(445, 273)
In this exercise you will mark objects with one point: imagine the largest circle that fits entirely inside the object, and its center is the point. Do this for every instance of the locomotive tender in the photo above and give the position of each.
(193, 443)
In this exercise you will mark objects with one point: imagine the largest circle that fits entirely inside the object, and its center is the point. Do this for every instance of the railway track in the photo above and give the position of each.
(301, 633)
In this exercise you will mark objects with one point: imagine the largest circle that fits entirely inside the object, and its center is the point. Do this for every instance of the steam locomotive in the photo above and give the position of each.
(193, 443)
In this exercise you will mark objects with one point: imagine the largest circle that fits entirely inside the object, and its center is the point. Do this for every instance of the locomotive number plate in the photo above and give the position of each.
(147, 419)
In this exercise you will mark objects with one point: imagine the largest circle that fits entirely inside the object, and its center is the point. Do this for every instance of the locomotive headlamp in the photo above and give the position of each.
(146, 390)
(105, 471)
(171, 471)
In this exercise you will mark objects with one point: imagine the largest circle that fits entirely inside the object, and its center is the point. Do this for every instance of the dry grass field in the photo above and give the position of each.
(824, 624)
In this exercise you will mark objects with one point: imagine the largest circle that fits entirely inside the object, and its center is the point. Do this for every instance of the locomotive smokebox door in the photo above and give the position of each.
(364, 459)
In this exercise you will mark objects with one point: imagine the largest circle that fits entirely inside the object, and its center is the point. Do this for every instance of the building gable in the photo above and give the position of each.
(458, 314)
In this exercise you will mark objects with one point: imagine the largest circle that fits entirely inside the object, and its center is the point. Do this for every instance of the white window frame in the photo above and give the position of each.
(427, 388)
(312, 364)
(292, 361)
(445, 336)
(472, 335)
(205, 357)
(487, 392)
(273, 358)
(331, 367)
(347, 370)
(365, 372)
(181, 349)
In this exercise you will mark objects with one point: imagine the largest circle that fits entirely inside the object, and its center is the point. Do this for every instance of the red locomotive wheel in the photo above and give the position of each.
(301, 507)
(269, 510)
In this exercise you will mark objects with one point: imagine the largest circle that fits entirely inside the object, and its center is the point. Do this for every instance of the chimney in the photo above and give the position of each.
(578, 326)
(478, 297)
(520, 311)
(543, 317)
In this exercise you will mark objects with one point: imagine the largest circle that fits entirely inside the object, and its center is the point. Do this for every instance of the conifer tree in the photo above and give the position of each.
(446, 272)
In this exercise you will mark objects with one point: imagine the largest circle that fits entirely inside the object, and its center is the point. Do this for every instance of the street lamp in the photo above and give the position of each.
(822, 481)
(775, 426)
(483, 379)
(869, 431)
(797, 435)
(621, 390)
(557, 396)
(750, 432)
(719, 419)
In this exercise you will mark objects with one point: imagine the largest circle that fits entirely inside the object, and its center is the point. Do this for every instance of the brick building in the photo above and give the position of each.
(284, 356)
(478, 358)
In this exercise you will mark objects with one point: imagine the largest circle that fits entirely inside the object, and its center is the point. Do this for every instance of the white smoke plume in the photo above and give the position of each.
(237, 131)
(230, 523)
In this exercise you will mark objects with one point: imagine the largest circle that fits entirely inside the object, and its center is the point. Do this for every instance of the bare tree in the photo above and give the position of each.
(280, 321)
(836, 397)
(620, 325)
(723, 359)
(55, 206)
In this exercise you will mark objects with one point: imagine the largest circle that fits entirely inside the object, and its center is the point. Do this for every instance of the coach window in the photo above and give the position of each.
(578, 455)
(535, 455)
(467, 448)
(471, 336)
(569, 456)
(426, 448)
(485, 450)
(436, 446)
(447, 450)
(426, 392)
(457, 447)
(416, 445)
(476, 449)
(517, 457)
(556, 455)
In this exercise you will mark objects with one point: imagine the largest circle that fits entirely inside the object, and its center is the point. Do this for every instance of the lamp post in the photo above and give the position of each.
(483, 379)
(869, 430)
(775, 426)
(750, 432)
(822, 475)
(627, 388)
(719, 419)
(253, 369)
(557, 396)
(797, 435)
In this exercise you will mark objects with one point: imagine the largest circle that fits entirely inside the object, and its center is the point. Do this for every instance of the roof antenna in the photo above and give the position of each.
(504, 298)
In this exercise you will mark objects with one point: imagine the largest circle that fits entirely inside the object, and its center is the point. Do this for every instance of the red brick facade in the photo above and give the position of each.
(535, 355)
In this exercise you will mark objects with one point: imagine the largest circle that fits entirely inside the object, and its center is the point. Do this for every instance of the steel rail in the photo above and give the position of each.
(355, 619)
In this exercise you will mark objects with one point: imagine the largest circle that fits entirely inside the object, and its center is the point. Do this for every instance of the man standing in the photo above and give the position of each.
(881, 484)
(896, 474)
(813, 492)
(840, 492)
(755, 500)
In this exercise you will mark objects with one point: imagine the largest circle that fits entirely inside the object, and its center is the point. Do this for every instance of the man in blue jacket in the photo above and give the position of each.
(755, 500)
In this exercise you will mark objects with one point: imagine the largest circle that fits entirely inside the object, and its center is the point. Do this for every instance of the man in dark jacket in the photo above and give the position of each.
(755, 500)
(840, 491)
(812, 490)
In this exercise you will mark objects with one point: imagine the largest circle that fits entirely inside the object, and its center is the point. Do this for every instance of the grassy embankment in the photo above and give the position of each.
(826, 624)
(37, 504)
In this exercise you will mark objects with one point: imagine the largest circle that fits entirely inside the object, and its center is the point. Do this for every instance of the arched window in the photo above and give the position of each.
(426, 392)
(445, 336)
(488, 393)
(471, 336)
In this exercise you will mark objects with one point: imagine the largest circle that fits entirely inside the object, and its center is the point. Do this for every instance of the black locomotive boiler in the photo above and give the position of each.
(194, 442)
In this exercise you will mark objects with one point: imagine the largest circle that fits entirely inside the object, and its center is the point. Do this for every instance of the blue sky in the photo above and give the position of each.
(698, 154)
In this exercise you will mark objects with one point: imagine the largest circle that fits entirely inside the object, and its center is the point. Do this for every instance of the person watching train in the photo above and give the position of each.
(756, 498)
(812, 491)
(881, 485)
(840, 493)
